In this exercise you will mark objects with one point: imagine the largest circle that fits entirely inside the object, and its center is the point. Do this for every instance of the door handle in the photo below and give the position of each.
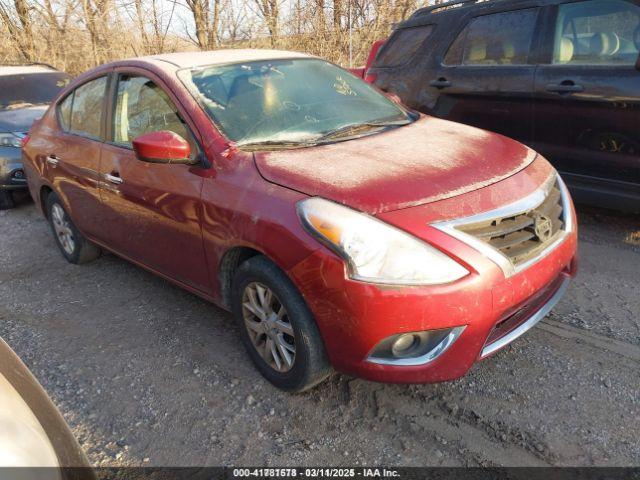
(568, 86)
(440, 83)
(117, 179)
(53, 160)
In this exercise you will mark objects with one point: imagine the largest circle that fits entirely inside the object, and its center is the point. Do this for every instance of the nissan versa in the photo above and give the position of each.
(341, 229)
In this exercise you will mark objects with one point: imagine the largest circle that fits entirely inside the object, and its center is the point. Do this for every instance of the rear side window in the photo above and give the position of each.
(81, 111)
(497, 39)
(597, 32)
(402, 46)
(64, 112)
(86, 112)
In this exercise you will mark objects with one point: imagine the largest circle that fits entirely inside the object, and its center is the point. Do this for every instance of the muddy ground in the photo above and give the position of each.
(148, 374)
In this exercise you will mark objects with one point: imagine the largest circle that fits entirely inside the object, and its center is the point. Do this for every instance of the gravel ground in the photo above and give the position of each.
(148, 374)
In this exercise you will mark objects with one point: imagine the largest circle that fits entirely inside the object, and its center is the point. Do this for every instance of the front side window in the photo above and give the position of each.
(86, 108)
(293, 100)
(597, 32)
(402, 46)
(496, 39)
(143, 107)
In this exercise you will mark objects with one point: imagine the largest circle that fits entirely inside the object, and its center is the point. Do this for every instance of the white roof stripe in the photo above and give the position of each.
(23, 69)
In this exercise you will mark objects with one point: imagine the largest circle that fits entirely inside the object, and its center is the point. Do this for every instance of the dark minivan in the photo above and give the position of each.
(561, 76)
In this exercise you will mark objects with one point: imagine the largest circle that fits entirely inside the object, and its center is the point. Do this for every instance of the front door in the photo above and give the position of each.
(486, 76)
(587, 96)
(152, 211)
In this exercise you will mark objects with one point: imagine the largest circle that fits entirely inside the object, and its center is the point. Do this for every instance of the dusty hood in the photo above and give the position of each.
(429, 160)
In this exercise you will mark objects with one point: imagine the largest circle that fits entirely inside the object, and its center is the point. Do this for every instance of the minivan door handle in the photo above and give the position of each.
(568, 86)
(440, 83)
(53, 160)
(113, 178)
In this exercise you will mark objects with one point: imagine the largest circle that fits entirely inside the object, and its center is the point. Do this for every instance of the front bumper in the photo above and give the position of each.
(354, 317)
(493, 307)
(12, 175)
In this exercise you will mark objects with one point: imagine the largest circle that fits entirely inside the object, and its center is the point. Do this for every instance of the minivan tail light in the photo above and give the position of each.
(25, 140)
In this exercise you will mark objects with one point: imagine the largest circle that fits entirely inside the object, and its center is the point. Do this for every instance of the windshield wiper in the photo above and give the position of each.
(273, 144)
(357, 127)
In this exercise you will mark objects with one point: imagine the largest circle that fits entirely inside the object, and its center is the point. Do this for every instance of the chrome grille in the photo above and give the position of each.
(522, 236)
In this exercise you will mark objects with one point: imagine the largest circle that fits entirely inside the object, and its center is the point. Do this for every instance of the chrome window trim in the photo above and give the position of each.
(516, 208)
(533, 320)
(428, 357)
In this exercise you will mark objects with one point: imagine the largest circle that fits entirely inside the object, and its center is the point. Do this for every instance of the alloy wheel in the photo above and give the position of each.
(268, 325)
(62, 229)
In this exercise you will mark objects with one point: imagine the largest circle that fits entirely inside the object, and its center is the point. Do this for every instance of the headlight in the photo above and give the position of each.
(375, 251)
(10, 140)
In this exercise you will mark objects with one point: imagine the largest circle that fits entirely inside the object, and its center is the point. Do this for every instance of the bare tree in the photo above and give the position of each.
(206, 18)
(337, 15)
(269, 10)
(19, 25)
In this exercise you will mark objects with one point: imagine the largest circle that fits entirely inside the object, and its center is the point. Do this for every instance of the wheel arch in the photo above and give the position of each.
(45, 191)
(229, 264)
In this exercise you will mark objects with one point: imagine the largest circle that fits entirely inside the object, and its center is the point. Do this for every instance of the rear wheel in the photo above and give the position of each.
(6, 200)
(74, 247)
(277, 328)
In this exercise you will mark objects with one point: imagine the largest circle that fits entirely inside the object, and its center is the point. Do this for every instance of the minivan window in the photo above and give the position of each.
(402, 45)
(496, 39)
(597, 32)
(86, 108)
(143, 107)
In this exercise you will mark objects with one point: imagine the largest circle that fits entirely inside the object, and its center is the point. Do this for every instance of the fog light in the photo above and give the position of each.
(415, 348)
(405, 344)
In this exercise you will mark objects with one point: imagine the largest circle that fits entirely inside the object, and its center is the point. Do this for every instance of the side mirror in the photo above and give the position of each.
(162, 147)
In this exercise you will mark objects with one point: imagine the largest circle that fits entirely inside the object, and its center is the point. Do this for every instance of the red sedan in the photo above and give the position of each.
(342, 229)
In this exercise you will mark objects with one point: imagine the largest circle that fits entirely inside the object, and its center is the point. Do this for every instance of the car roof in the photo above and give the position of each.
(223, 56)
(459, 7)
(24, 69)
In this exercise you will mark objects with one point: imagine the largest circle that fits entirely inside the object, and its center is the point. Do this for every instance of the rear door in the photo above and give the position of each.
(486, 76)
(153, 212)
(73, 152)
(587, 95)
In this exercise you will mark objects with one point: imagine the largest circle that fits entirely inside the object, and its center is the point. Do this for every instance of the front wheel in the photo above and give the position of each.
(74, 247)
(277, 328)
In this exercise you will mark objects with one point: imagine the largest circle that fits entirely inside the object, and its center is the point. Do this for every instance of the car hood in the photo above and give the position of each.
(20, 119)
(426, 161)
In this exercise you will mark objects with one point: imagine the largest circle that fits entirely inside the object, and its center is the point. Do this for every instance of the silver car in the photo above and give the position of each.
(25, 94)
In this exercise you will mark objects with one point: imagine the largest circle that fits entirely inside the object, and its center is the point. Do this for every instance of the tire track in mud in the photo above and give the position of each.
(595, 340)
(495, 435)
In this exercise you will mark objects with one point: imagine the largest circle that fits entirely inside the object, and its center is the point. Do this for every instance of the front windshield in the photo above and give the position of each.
(296, 101)
(24, 90)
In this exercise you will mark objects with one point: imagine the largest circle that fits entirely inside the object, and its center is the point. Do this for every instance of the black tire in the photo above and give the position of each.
(83, 250)
(310, 363)
(6, 200)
